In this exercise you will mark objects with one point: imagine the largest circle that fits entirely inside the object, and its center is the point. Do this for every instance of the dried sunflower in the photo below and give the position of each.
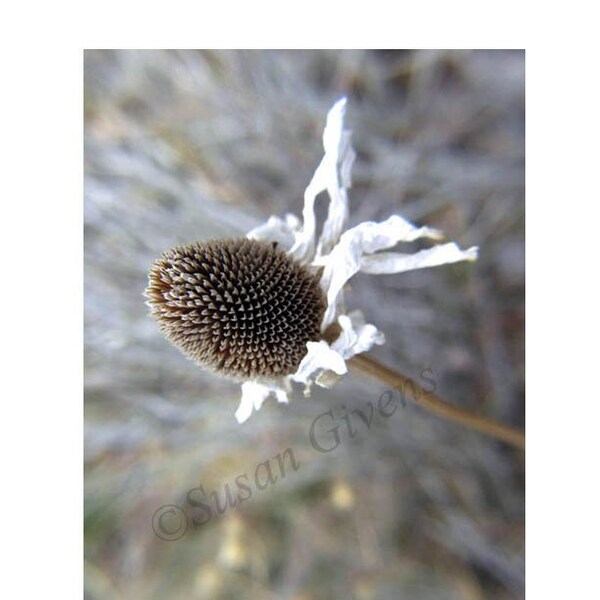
(268, 309)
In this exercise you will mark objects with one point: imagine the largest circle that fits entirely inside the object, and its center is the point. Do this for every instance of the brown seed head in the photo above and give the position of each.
(239, 307)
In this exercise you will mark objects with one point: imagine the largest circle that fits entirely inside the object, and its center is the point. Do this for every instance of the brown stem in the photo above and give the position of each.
(429, 401)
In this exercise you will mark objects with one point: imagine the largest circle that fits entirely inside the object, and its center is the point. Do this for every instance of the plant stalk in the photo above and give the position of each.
(432, 403)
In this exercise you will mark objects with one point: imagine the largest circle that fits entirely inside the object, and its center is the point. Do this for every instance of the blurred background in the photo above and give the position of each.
(188, 145)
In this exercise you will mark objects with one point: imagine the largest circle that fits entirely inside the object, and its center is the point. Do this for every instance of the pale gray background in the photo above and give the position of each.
(187, 145)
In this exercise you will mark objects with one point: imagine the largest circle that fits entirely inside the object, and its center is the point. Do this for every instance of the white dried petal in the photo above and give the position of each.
(337, 213)
(336, 143)
(376, 236)
(346, 258)
(253, 396)
(342, 255)
(394, 262)
(319, 356)
(356, 335)
(281, 396)
(284, 232)
(332, 134)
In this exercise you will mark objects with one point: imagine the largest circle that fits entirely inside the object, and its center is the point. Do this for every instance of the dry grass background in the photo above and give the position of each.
(186, 145)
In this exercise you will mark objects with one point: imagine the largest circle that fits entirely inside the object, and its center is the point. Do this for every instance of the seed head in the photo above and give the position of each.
(239, 307)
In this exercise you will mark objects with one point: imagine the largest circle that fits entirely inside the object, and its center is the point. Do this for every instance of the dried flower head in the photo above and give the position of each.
(242, 308)
(192, 295)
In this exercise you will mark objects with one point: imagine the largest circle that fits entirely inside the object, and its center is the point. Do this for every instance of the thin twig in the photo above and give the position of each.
(429, 401)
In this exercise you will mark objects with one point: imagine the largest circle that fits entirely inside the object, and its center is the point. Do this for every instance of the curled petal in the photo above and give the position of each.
(337, 213)
(319, 357)
(385, 234)
(356, 336)
(281, 396)
(338, 154)
(284, 232)
(346, 258)
(253, 396)
(332, 133)
(393, 262)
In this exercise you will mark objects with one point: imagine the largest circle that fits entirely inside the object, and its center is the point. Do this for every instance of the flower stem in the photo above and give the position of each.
(429, 401)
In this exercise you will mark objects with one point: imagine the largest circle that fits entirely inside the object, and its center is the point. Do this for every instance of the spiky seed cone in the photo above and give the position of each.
(239, 307)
